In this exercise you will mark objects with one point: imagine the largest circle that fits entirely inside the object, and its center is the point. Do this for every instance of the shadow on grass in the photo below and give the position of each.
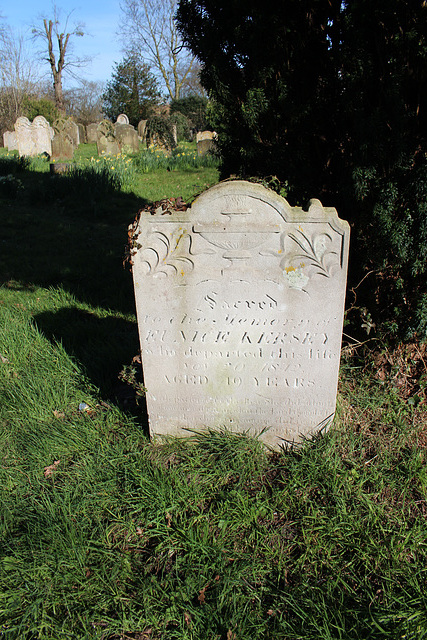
(102, 346)
(70, 233)
(61, 231)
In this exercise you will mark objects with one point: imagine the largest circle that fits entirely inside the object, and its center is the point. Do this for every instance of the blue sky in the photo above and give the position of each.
(100, 20)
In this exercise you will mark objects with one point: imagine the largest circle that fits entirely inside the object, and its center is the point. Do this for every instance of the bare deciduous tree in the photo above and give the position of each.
(84, 103)
(59, 43)
(149, 28)
(18, 75)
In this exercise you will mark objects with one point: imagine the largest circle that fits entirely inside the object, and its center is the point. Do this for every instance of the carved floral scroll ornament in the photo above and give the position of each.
(168, 254)
(315, 251)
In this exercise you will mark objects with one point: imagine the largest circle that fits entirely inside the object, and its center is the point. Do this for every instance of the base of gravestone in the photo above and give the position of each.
(59, 167)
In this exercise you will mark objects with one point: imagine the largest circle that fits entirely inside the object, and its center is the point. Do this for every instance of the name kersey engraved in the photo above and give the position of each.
(240, 303)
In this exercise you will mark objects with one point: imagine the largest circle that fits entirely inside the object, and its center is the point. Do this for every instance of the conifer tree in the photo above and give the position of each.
(132, 90)
(331, 97)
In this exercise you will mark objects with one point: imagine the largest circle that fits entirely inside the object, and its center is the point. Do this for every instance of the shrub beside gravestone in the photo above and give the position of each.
(160, 133)
(240, 304)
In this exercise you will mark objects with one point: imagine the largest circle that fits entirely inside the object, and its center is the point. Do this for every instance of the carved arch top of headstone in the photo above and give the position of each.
(21, 123)
(122, 119)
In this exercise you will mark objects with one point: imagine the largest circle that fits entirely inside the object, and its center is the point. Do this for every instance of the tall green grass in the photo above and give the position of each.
(106, 535)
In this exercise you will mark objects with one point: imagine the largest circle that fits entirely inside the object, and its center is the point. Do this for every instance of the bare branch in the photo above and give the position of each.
(148, 27)
(18, 75)
(61, 57)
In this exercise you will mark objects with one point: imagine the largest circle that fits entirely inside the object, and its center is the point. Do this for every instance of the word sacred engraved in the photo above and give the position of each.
(240, 303)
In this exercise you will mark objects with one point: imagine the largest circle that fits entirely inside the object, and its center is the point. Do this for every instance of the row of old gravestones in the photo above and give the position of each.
(61, 139)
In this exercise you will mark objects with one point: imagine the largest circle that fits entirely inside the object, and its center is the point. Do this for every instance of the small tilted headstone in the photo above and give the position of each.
(240, 303)
(82, 133)
(9, 140)
(91, 132)
(106, 140)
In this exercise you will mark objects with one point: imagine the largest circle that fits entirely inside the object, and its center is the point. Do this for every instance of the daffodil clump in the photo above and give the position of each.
(120, 166)
(179, 160)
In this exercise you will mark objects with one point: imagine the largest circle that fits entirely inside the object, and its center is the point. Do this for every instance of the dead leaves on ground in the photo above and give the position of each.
(202, 592)
(406, 368)
(48, 471)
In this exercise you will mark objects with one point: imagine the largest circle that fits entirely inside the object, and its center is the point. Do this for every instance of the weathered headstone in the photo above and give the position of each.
(9, 140)
(66, 138)
(68, 126)
(122, 119)
(82, 133)
(142, 125)
(106, 139)
(33, 138)
(91, 132)
(127, 138)
(62, 146)
(42, 135)
(206, 135)
(240, 304)
(24, 137)
(205, 146)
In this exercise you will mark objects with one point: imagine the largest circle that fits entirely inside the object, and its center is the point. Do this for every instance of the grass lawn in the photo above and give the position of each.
(106, 535)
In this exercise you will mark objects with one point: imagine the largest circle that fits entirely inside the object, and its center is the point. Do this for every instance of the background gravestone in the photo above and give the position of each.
(66, 138)
(91, 132)
(82, 133)
(72, 130)
(142, 125)
(240, 304)
(9, 140)
(122, 119)
(42, 135)
(33, 138)
(24, 137)
(62, 146)
(127, 138)
(106, 139)
(205, 135)
(205, 146)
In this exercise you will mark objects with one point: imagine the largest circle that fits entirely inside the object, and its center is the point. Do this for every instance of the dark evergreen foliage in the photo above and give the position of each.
(332, 98)
(159, 132)
(132, 90)
(194, 109)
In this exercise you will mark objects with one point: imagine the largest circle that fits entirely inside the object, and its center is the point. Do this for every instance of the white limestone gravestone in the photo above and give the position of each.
(33, 138)
(240, 303)
(9, 140)
(122, 119)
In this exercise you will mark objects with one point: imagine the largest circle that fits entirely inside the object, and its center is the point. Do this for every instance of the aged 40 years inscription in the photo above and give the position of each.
(240, 303)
